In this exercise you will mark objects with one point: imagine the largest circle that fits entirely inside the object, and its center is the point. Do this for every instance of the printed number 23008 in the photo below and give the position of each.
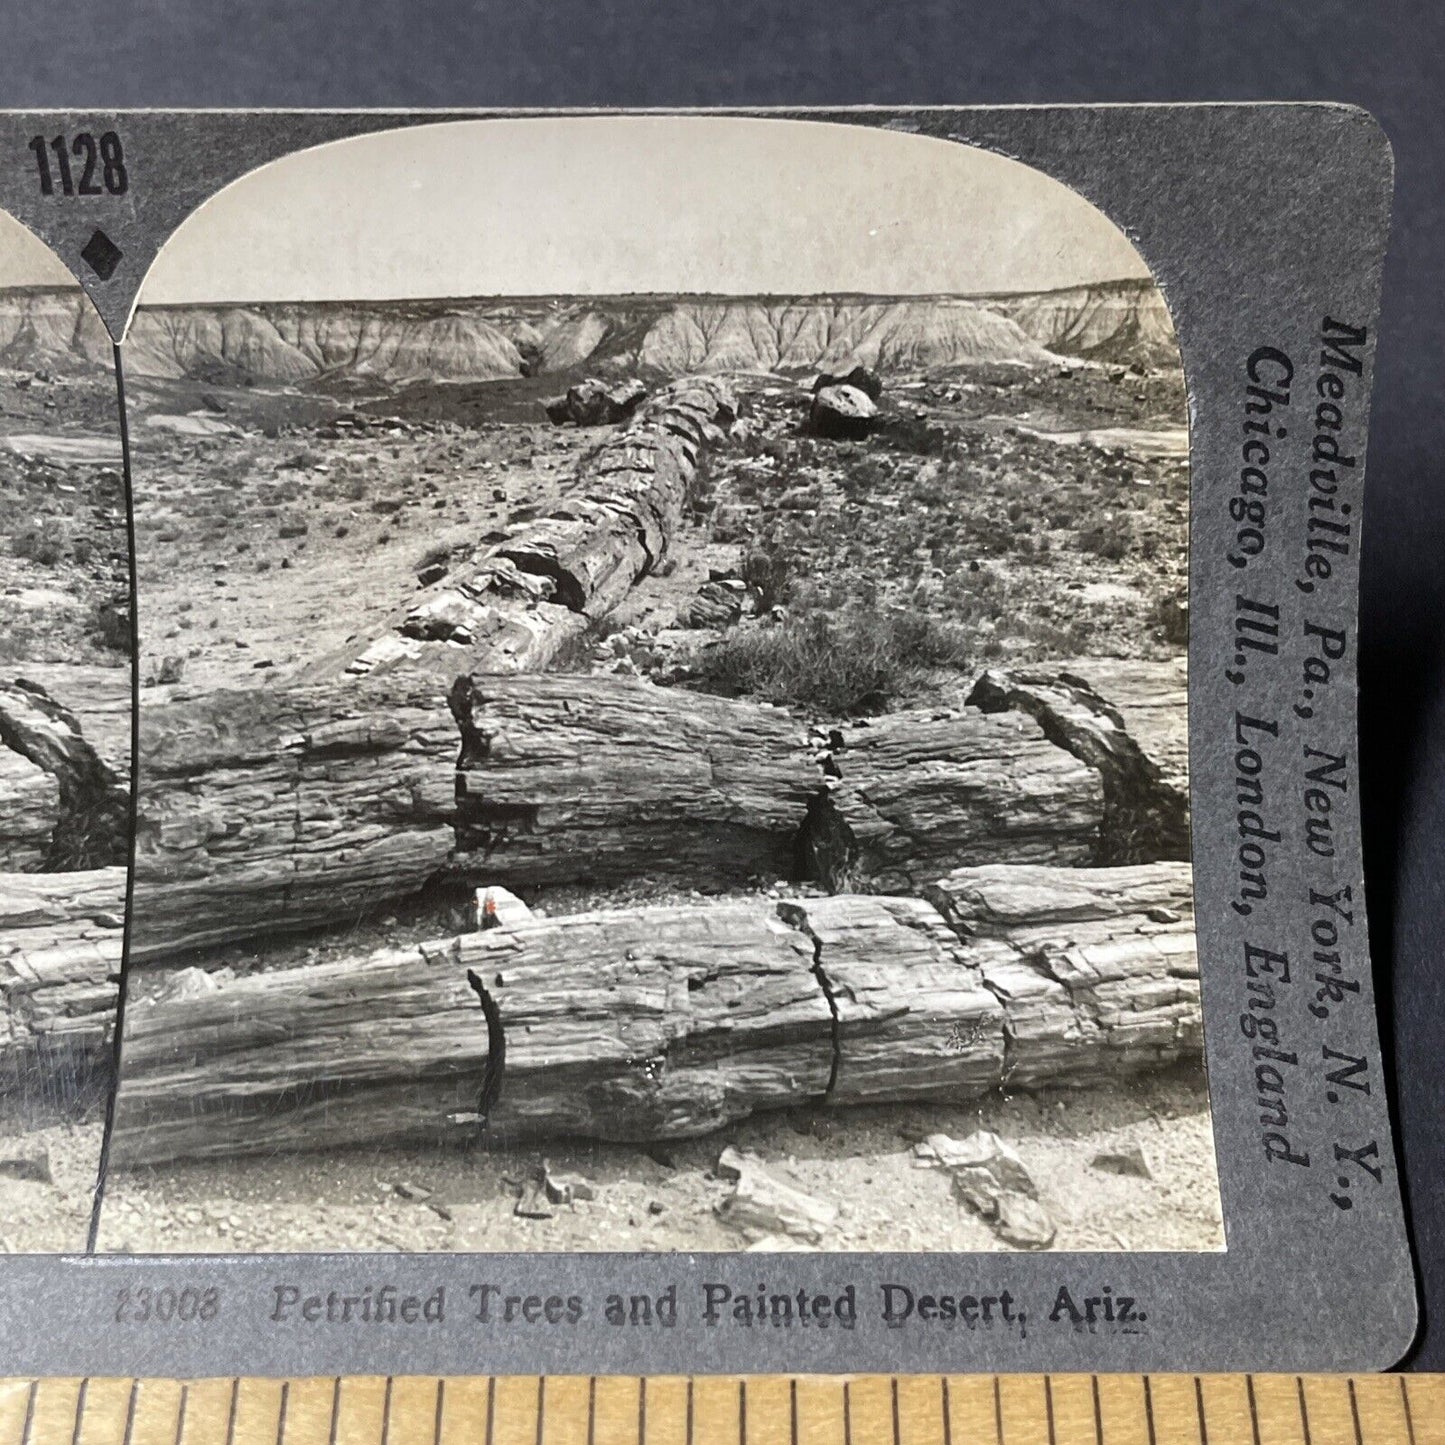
(144, 1305)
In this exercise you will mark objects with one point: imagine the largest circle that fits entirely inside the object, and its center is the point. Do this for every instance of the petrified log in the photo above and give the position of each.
(31, 803)
(565, 779)
(917, 793)
(669, 1021)
(520, 602)
(93, 807)
(278, 811)
(1130, 721)
(60, 951)
(264, 812)
(1096, 967)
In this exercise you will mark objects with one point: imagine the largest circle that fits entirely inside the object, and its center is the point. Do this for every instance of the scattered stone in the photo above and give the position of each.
(663, 1155)
(860, 379)
(1129, 1159)
(594, 403)
(991, 1179)
(656, 1206)
(495, 907)
(533, 1202)
(413, 1193)
(440, 1210)
(434, 573)
(985, 1162)
(717, 604)
(842, 413)
(565, 1188)
(1023, 1222)
(760, 1201)
(27, 1161)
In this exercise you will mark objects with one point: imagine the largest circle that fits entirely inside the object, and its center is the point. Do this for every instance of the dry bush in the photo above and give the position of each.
(45, 540)
(831, 665)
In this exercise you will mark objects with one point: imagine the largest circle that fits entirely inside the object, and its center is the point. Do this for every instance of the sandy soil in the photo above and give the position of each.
(859, 1159)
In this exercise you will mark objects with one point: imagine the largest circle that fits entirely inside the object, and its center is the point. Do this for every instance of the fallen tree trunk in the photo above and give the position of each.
(261, 813)
(92, 806)
(31, 803)
(1096, 969)
(1129, 720)
(60, 954)
(268, 812)
(670, 1022)
(515, 606)
(916, 794)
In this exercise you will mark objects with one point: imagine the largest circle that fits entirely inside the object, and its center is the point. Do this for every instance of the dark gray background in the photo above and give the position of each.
(1383, 54)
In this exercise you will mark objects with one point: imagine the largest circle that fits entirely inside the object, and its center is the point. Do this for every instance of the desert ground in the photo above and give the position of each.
(998, 513)
(64, 628)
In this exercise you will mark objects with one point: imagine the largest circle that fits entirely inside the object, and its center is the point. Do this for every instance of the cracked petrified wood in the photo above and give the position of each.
(266, 812)
(1127, 719)
(526, 597)
(68, 807)
(671, 1021)
(263, 812)
(60, 953)
(915, 793)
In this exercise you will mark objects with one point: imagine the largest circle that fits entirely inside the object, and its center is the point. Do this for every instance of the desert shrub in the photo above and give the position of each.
(831, 665)
(769, 570)
(1111, 541)
(44, 540)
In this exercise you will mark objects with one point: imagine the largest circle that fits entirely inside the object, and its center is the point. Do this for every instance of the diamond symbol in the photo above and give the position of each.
(102, 255)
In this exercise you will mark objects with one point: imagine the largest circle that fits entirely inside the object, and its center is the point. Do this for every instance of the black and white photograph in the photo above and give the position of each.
(65, 719)
(662, 700)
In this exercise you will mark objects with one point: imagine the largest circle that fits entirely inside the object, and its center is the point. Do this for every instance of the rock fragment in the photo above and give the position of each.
(763, 1203)
(842, 413)
(495, 907)
(859, 378)
(991, 1179)
(1129, 1160)
(594, 403)
(26, 1161)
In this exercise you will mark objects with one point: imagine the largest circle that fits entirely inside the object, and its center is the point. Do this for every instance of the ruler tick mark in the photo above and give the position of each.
(180, 1414)
(1048, 1412)
(591, 1409)
(1149, 1410)
(29, 1413)
(742, 1412)
(79, 1410)
(897, 1433)
(1409, 1415)
(440, 1410)
(231, 1414)
(541, 1405)
(491, 1406)
(386, 1414)
(689, 1410)
(642, 1411)
(1199, 1410)
(1354, 1409)
(1304, 1409)
(1098, 1409)
(998, 1409)
(793, 1410)
(281, 1413)
(947, 1414)
(335, 1410)
(847, 1415)
(130, 1412)
(1253, 1407)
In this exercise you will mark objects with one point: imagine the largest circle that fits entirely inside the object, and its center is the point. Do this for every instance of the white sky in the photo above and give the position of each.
(615, 204)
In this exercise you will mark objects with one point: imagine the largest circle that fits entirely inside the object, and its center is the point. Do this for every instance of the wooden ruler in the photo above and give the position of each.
(731, 1410)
